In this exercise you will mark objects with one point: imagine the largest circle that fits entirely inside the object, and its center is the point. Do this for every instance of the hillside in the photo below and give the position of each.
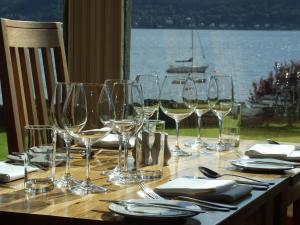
(206, 14)
(224, 14)
(40, 10)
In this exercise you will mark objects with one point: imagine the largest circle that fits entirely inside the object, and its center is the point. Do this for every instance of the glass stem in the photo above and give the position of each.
(177, 134)
(67, 141)
(126, 140)
(220, 130)
(199, 129)
(120, 159)
(88, 156)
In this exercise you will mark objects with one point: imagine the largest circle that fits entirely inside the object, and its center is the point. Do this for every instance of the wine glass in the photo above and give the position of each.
(178, 99)
(56, 114)
(220, 100)
(126, 121)
(85, 121)
(201, 83)
(150, 89)
(114, 173)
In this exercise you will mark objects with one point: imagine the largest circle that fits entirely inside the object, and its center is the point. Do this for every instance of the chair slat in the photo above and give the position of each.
(49, 70)
(28, 88)
(60, 65)
(38, 86)
(18, 76)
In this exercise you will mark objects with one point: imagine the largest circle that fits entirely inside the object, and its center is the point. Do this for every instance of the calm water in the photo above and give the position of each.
(246, 55)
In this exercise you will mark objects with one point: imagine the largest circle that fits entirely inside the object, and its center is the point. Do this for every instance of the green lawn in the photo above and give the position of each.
(3, 145)
(284, 134)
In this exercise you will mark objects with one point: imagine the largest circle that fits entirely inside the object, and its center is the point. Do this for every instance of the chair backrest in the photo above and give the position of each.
(32, 60)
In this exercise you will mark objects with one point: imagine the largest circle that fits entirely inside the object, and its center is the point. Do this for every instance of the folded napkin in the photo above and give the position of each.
(207, 189)
(285, 152)
(194, 187)
(112, 141)
(235, 193)
(9, 172)
(37, 157)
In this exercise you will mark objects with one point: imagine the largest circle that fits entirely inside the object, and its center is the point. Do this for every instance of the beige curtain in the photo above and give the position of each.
(95, 37)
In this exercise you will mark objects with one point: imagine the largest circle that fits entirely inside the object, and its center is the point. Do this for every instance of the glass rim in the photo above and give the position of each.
(86, 84)
(38, 127)
(155, 121)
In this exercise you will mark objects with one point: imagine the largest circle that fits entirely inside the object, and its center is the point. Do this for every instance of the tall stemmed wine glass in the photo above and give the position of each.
(56, 113)
(178, 99)
(85, 121)
(220, 100)
(150, 88)
(114, 173)
(126, 121)
(201, 83)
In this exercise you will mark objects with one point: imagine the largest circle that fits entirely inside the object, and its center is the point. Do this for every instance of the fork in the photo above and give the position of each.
(148, 193)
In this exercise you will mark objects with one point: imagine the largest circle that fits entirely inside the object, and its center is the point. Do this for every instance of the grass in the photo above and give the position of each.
(283, 134)
(3, 144)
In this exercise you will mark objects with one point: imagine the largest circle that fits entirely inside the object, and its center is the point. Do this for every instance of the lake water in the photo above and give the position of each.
(246, 55)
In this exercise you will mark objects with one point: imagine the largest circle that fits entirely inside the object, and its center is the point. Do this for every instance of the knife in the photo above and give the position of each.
(215, 204)
(251, 183)
(159, 205)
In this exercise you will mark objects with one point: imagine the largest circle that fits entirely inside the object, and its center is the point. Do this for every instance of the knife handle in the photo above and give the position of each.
(252, 183)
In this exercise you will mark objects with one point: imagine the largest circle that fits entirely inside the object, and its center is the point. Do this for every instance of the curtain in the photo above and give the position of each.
(95, 39)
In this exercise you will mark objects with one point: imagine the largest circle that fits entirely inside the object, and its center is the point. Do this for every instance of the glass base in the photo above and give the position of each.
(66, 182)
(219, 147)
(124, 178)
(196, 144)
(150, 174)
(178, 152)
(86, 188)
(113, 174)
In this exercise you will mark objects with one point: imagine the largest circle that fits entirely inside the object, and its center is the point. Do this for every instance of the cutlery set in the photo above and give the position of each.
(270, 141)
(148, 193)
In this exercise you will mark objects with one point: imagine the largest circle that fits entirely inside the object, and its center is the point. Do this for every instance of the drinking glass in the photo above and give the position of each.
(201, 83)
(115, 173)
(220, 100)
(178, 100)
(39, 146)
(126, 122)
(150, 89)
(56, 115)
(85, 121)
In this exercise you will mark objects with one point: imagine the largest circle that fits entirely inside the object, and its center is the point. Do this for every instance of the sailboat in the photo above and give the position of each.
(187, 66)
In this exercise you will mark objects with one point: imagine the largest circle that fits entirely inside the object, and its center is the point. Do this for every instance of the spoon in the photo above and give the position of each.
(270, 141)
(213, 174)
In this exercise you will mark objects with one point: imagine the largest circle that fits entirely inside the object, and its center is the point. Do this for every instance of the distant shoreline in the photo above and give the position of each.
(171, 28)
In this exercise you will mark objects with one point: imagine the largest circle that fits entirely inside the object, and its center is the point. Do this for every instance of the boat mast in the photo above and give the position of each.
(192, 47)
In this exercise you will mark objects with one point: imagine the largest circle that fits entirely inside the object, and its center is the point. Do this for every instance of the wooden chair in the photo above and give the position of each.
(32, 60)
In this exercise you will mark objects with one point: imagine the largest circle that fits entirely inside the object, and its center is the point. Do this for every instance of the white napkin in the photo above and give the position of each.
(9, 172)
(112, 141)
(273, 151)
(187, 186)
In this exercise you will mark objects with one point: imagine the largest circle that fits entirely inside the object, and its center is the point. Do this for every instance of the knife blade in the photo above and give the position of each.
(159, 205)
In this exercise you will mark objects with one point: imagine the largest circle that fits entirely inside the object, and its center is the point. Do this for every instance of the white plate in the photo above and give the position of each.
(153, 213)
(250, 164)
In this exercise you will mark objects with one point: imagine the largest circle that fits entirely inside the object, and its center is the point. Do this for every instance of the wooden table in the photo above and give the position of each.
(59, 207)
